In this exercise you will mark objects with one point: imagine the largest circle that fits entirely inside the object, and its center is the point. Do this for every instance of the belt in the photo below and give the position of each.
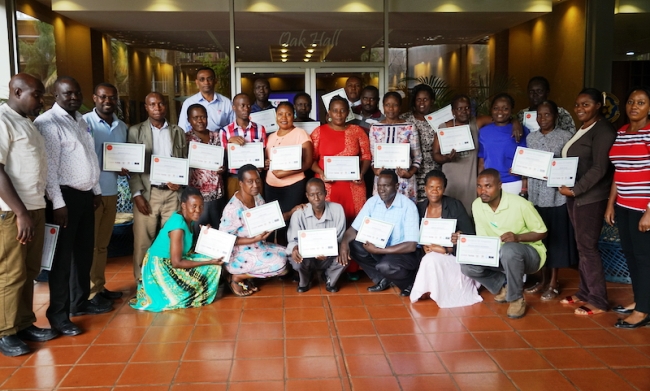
(64, 187)
(161, 187)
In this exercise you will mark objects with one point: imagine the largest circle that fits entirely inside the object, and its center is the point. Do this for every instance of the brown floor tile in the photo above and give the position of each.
(429, 310)
(305, 347)
(85, 339)
(500, 340)
(405, 343)
(217, 332)
(307, 330)
(553, 307)
(384, 383)
(219, 317)
(355, 327)
(483, 381)
(440, 325)
(93, 322)
(571, 358)
(519, 360)
(531, 322)
(449, 342)
(426, 383)
(381, 300)
(259, 348)
(138, 388)
(415, 363)
(540, 381)
(396, 326)
(485, 324)
(606, 320)
(350, 313)
(638, 377)
(55, 355)
(305, 315)
(262, 303)
(311, 367)
(547, 339)
(199, 386)
(148, 373)
(119, 335)
(468, 362)
(361, 345)
(36, 377)
(203, 371)
(263, 316)
(570, 321)
(99, 354)
(645, 349)
(478, 309)
(640, 336)
(154, 352)
(597, 379)
(93, 375)
(263, 385)
(209, 350)
(299, 302)
(128, 321)
(261, 330)
(176, 318)
(621, 357)
(345, 300)
(595, 337)
(228, 303)
(388, 312)
(5, 373)
(257, 370)
(375, 365)
(167, 334)
(314, 385)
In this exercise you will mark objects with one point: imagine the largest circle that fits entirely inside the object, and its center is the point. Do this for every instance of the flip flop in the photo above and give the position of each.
(244, 288)
(569, 300)
(587, 311)
(550, 294)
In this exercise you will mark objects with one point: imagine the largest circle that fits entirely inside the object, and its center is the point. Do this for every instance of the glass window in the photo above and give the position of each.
(37, 50)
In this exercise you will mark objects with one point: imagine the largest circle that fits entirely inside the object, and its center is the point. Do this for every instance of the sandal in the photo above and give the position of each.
(571, 300)
(538, 287)
(550, 293)
(583, 310)
(241, 291)
(251, 285)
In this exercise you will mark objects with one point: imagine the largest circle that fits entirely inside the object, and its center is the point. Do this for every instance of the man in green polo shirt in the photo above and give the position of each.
(521, 229)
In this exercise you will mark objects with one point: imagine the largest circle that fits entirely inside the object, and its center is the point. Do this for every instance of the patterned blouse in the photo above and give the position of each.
(564, 120)
(427, 135)
(209, 183)
(538, 193)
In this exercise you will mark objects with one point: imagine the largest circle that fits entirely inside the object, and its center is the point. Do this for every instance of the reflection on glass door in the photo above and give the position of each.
(328, 80)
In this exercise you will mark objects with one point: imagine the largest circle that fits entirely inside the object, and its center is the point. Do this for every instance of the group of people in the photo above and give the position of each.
(51, 170)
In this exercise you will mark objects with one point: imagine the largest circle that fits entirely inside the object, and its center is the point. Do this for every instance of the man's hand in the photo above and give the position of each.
(509, 237)
(61, 217)
(239, 140)
(97, 201)
(321, 258)
(371, 248)
(295, 255)
(142, 205)
(344, 254)
(26, 228)
(172, 186)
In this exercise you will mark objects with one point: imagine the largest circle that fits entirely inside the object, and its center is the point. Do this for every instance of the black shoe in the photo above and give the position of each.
(331, 288)
(67, 328)
(110, 295)
(380, 286)
(622, 310)
(37, 334)
(302, 289)
(12, 346)
(407, 291)
(621, 324)
(98, 305)
(43, 276)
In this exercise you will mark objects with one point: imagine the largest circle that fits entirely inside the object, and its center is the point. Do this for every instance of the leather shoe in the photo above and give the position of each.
(68, 329)
(12, 346)
(302, 289)
(622, 310)
(621, 324)
(331, 288)
(37, 334)
(110, 295)
(380, 286)
(98, 305)
(407, 291)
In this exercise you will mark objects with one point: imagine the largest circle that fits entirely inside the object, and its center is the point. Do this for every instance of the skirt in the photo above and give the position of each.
(560, 242)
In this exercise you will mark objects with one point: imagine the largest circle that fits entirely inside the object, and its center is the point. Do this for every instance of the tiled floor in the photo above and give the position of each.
(281, 340)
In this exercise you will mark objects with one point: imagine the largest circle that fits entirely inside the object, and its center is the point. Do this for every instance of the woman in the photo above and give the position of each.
(439, 273)
(422, 97)
(209, 182)
(587, 200)
(172, 277)
(551, 205)
(631, 157)
(286, 186)
(392, 130)
(460, 167)
(497, 146)
(251, 257)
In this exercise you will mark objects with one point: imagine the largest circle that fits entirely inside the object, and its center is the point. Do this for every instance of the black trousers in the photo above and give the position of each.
(73, 256)
(636, 247)
(400, 269)
(288, 197)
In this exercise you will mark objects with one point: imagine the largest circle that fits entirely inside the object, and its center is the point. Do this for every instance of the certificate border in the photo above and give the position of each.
(213, 256)
(141, 146)
(548, 181)
(469, 132)
(428, 244)
(187, 168)
(48, 266)
(230, 165)
(381, 221)
(266, 128)
(400, 145)
(347, 157)
(285, 147)
(459, 251)
(272, 228)
(201, 145)
(514, 160)
(309, 255)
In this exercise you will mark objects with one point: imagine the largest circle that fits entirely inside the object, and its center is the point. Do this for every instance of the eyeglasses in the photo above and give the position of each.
(112, 98)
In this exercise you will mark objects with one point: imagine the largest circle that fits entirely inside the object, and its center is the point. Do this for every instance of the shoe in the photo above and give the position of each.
(331, 288)
(380, 286)
(67, 328)
(302, 289)
(500, 297)
(37, 334)
(353, 276)
(517, 308)
(622, 310)
(407, 291)
(43, 276)
(97, 305)
(12, 346)
(621, 324)
(110, 295)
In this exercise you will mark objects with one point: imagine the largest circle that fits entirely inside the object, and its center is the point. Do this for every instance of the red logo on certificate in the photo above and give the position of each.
(367, 221)
(194, 146)
(232, 147)
(275, 151)
(442, 133)
(379, 147)
(426, 222)
(109, 147)
(429, 118)
(329, 160)
(528, 116)
(156, 160)
(521, 151)
(52, 231)
(553, 164)
(463, 240)
(303, 235)
(248, 214)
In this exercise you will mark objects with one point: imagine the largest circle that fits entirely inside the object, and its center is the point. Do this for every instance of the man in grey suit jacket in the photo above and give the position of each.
(154, 202)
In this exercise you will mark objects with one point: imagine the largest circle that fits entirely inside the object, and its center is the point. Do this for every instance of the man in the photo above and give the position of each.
(368, 113)
(538, 90)
(261, 90)
(397, 263)
(104, 127)
(240, 132)
(302, 105)
(352, 90)
(521, 229)
(154, 202)
(318, 214)
(73, 188)
(22, 219)
(218, 106)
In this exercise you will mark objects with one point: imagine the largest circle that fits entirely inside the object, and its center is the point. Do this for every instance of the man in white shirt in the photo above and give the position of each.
(218, 106)
(22, 215)
(153, 203)
(73, 188)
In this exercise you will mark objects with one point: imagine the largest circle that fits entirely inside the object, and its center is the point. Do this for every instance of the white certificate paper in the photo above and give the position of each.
(340, 92)
(265, 118)
(531, 163)
(215, 243)
(308, 127)
(49, 245)
(437, 231)
(342, 168)
(374, 231)
(392, 155)
(169, 169)
(439, 117)
(123, 155)
(478, 250)
(456, 137)
(250, 153)
(530, 121)
(562, 172)
(286, 158)
(263, 218)
(313, 243)
(204, 156)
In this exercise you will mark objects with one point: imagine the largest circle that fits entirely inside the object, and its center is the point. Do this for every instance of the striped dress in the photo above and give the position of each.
(630, 154)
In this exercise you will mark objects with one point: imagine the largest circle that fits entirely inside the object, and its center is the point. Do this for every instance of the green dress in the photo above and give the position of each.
(164, 287)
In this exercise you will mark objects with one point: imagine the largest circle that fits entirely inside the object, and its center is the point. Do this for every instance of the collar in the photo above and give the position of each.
(165, 126)
(309, 212)
(58, 110)
(202, 99)
(398, 202)
(99, 119)
(503, 204)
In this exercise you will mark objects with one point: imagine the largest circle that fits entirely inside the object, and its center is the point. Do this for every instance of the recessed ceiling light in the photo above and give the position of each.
(313, 45)
(284, 60)
(363, 47)
(308, 55)
(306, 60)
(310, 50)
(283, 55)
(630, 53)
(284, 50)
(285, 45)
(236, 47)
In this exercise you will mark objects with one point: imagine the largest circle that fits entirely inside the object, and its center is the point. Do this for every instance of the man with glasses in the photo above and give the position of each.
(218, 106)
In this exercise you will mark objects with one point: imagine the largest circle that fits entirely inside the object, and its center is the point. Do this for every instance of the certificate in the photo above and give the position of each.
(169, 169)
(123, 155)
(374, 231)
(308, 127)
(340, 92)
(49, 245)
(439, 117)
(265, 118)
(531, 163)
(478, 250)
(263, 218)
(313, 243)
(530, 121)
(215, 244)
(204, 156)
(562, 172)
(437, 231)
(456, 137)
(392, 155)
(286, 158)
(342, 168)
(250, 153)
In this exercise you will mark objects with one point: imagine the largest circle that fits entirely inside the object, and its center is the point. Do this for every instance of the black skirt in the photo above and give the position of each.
(560, 242)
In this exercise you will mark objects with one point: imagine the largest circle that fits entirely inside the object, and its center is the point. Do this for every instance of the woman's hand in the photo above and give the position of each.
(454, 237)
(644, 223)
(610, 215)
(406, 174)
(434, 248)
(450, 157)
(217, 261)
(565, 191)
(262, 236)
